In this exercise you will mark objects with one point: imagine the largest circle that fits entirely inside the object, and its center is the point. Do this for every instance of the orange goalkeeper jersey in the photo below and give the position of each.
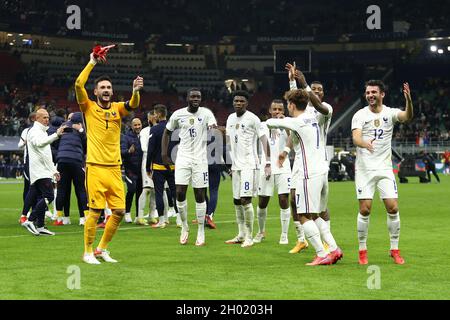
(102, 124)
(103, 132)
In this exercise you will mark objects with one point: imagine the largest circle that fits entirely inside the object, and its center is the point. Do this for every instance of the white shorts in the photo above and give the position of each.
(146, 181)
(309, 194)
(384, 180)
(197, 175)
(245, 183)
(295, 176)
(281, 181)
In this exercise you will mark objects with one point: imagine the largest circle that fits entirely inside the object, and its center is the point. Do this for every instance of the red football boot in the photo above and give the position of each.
(209, 222)
(336, 255)
(395, 254)
(22, 219)
(363, 257)
(321, 261)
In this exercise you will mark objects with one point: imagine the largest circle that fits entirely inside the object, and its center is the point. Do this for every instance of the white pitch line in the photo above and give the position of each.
(100, 230)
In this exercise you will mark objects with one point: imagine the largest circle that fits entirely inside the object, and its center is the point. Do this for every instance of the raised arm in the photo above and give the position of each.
(315, 101)
(138, 84)
(80, 91)
(406, 115)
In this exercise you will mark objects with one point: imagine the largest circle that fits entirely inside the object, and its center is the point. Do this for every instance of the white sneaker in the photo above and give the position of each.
(45, 232)
(104, 254)
(171, 212)
(200, 239)
(260, 236)
(184, 235)
(128, 218)
(29, 225)
(284, 239)
(247, 243)
(90, 258)
(66, 220)
(235, 240)
(82, 221)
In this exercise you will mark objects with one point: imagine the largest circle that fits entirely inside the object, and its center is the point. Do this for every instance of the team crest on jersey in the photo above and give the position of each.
(237, 126)
(191, 121)
(107, 115)
(377, 122)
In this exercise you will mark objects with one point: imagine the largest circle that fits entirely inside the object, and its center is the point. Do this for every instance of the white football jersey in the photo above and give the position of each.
(144, 136)
(308, 145)
(324, 123)
(378, 126)
(277, 141)
(243, 133)
(193, 129)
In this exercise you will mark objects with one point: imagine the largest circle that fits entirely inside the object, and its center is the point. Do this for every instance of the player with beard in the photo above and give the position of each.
(191, 165)
(103, 175)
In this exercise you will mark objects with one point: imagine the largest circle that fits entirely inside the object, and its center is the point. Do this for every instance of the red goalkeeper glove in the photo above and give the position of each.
(100, 52)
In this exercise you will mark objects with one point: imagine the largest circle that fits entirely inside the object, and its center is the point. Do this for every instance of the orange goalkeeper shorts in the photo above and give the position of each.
(104, 185)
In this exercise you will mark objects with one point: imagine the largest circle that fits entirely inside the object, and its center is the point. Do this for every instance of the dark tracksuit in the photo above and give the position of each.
(70, 164)
(430, 166)
(215, 169)
(132, 163)
(155, 164)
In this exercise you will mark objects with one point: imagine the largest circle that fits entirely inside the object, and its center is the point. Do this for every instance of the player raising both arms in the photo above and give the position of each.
(103, 176)
(323, 112)
(312, 180)
(372, 129)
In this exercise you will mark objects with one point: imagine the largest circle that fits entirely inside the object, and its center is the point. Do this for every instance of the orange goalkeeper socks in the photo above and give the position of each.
(90, 227)
(110, 229)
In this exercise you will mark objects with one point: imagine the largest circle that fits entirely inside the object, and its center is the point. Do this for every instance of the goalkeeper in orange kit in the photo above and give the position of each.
(103, 176)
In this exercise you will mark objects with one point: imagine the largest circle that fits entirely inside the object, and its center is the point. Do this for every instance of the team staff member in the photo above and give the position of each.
(42, 171)
(103, 176)
(155, 167)
(130, 146)
(70, 162)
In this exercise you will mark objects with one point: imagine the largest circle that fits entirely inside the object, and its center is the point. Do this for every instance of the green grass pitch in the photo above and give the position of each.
(153, 265)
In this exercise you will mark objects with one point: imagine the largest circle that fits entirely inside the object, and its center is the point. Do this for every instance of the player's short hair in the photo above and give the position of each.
(102, 78)
(299, 97)
(188, 92)
(241, 93)
(317, 82)
(151, 112)
(161, 110)
(376, 83)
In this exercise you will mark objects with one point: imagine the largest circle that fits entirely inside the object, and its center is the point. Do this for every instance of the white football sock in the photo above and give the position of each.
(363, 231)
(325, 233)
(166, 205)
(313, 236)
(240, 220)
(182, 209)
(200, 209)
(249, 216)
(299, 231)
(285, 216)
(393, 222)
(262, 214)
(142, 200)
(329, 224)
(152, 204)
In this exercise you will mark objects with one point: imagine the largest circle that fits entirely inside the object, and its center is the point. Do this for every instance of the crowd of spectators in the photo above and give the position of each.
(11, 165)
(225, 17)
